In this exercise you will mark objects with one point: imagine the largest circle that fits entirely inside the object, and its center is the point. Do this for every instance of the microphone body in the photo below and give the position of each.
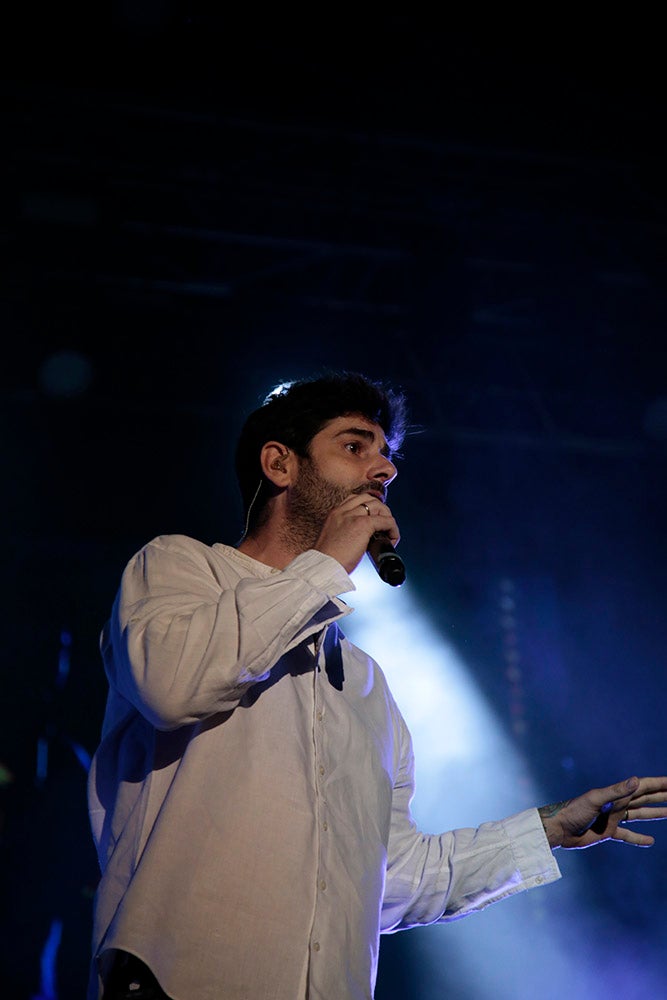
(387, 562)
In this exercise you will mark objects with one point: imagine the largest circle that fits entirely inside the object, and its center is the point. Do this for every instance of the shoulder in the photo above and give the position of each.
(177, 544)
(174, 551)
(179, 563)
(171, 547)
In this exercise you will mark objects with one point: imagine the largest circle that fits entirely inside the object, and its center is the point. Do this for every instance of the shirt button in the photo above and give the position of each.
(325, 826)
(316, 946)
(319, 716)
(321, 769)
(323, 885)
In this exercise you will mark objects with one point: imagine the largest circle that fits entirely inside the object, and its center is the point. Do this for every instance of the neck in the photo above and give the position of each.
(276, 545)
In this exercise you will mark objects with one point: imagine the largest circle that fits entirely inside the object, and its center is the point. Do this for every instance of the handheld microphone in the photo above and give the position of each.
(386, 560)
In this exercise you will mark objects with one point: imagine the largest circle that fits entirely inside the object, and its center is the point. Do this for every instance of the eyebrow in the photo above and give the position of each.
(367, 435)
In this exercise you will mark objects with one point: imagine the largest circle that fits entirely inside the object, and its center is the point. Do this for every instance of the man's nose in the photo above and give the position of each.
(385, 470)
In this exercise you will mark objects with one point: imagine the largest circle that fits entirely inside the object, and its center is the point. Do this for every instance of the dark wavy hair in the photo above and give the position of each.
(296, 411)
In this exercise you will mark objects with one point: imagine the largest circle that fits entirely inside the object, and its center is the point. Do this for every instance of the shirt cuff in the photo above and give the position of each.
(322, 572)
(534, 857)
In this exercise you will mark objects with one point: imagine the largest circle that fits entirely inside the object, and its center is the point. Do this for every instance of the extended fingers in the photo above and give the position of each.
(638, 791)
(650, 790)
(654, 784)
(646, 813)
(648, 803)
(633, 838)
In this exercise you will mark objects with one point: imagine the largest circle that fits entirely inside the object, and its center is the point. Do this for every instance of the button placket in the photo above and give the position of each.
(320, 772)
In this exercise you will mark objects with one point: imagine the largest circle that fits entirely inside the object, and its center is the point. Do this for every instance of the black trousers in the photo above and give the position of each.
(130, 979)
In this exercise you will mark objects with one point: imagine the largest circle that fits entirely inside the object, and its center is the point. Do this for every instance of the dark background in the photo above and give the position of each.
(198, 204)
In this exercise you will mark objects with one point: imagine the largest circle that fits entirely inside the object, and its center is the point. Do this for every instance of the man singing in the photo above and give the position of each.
(250, 797)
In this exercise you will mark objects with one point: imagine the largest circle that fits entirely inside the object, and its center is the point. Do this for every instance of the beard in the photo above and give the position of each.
(313, 498)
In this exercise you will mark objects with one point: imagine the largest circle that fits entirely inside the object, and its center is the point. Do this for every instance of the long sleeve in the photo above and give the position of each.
(183, 643)
(255, 777)
(443, 877)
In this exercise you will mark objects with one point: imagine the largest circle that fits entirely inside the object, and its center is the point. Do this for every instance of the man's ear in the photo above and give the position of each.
(278, 463)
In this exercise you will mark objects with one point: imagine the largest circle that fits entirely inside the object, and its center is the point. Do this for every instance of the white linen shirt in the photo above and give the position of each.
(250, 797)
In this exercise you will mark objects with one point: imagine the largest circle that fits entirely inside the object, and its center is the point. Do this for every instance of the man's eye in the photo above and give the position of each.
(352, 446)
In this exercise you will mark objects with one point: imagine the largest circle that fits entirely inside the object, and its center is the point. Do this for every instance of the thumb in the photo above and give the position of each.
(619, 790)
(610, 795)
(627, 787)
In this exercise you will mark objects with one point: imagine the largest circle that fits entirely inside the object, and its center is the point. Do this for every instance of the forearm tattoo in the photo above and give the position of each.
(546, 812)
(598, 824)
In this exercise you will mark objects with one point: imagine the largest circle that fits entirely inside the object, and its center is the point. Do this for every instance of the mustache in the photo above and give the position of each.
(374, 486)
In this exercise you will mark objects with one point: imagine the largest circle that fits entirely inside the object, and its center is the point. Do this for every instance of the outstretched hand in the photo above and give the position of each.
(602, 814)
